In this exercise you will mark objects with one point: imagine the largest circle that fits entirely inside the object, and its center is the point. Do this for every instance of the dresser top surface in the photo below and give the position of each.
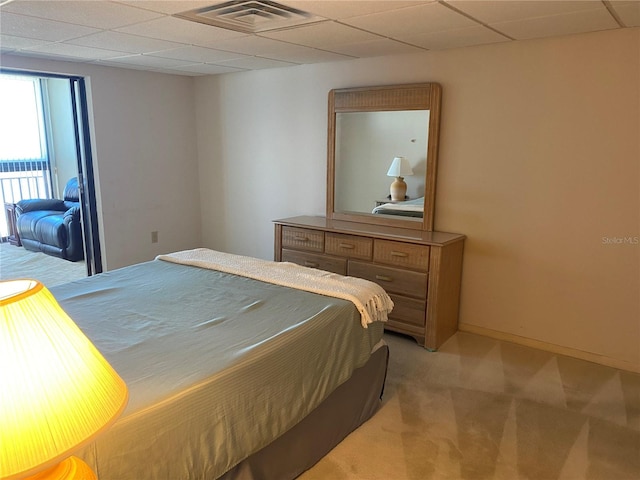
(377, 231)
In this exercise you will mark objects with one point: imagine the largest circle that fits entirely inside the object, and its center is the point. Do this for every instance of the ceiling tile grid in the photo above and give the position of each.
(148, 34)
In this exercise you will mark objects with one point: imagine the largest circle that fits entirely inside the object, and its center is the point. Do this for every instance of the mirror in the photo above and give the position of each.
(368, 128)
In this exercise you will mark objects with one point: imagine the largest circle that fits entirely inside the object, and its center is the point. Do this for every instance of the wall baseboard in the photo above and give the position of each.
(550, 347)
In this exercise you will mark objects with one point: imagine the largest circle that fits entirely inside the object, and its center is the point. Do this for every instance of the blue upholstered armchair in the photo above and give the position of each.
(52, 226)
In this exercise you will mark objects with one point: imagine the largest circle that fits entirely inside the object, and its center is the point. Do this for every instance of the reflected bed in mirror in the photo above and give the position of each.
(408, 208)
(369, 128)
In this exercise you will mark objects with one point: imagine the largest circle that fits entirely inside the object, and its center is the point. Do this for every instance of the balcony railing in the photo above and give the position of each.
(22, 179)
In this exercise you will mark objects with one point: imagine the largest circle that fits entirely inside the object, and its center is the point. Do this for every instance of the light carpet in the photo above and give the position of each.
(17, 262)
(486, 409)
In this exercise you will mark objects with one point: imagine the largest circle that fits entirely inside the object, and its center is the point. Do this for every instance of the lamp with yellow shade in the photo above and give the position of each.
(57, 392)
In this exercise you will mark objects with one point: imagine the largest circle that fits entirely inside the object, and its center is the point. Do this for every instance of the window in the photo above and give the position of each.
(22, 134)
(24, 162)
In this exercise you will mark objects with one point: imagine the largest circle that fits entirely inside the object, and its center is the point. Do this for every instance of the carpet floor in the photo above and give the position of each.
(486, 409)
(17, 262)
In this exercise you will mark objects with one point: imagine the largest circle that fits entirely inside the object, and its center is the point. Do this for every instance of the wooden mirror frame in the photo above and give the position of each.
(421, 96)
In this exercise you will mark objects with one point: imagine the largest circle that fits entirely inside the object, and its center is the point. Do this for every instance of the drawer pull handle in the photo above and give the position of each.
(384, 278)
(399, 254)
(300, 238)
(347, 245)
(311, 264)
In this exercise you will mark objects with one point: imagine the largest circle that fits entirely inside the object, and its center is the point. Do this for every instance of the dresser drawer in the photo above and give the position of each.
(409, 311)
(401, 254)
(313, 260)
(303, 239)
(393, 280)
(348, 246)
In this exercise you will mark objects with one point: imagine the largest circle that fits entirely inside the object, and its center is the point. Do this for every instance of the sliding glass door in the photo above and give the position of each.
(93, 255)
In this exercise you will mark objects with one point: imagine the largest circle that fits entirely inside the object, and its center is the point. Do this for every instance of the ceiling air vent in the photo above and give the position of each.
(250, 16)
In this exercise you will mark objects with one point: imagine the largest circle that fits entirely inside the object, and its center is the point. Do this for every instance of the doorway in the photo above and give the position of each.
(65, 153)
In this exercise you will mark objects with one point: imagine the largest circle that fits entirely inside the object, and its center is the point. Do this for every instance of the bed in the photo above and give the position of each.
(408, 208)
(230, 375)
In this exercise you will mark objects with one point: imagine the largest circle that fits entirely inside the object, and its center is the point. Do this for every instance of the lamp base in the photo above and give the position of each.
(398, 190)
(71, 468)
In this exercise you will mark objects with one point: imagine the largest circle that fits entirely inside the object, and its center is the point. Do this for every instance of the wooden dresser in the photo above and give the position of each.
(420, 270)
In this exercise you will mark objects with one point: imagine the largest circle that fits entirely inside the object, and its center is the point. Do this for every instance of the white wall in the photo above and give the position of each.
(144, 148)
(539, 166)
(262, 153)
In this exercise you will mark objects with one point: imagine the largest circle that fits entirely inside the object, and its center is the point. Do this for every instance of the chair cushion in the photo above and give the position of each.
(44, 226)
(32, 204)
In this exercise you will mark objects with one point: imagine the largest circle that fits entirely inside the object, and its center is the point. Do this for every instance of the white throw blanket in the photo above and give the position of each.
(370, 299)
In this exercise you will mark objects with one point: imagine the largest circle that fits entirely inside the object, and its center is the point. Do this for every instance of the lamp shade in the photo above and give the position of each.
(57, 392)
(400, 167)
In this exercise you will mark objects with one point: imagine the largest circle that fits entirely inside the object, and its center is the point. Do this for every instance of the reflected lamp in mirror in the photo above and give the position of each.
(57, 392)
(400, 168)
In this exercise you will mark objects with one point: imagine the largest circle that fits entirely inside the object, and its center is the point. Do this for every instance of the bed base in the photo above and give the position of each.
(344, 410)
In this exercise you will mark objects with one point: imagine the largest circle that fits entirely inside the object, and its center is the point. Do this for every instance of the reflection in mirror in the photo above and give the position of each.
(365, 145)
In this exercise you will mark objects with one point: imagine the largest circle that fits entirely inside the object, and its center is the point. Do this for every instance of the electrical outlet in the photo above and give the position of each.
(154, 237)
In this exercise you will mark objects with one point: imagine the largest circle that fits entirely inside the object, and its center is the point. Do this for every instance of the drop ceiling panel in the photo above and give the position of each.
(629, 12)
(459, 37)
(182, 73)
(493, 11)
(132, 66)
(340, 9)
(92, 14)
(306, 55)
(124, 42)
(400, 24)
(322, 35)
(203, 69)
(274, 49)
(62, 58)
(149, 61)
(376, 48)
(40, 29)
(169, 7)
(177, 30)
(555, 25)
(255, 63)
(9, 42)
(77, 51)
(198, 54)
(255, 45)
